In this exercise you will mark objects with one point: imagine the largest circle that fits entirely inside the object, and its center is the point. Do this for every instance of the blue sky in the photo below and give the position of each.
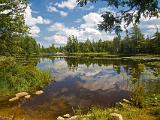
(52, 21)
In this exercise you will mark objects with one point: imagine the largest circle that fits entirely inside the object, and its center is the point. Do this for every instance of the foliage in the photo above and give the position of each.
(13, 38)
(12, 24)
(17, 78)
(11, 16)
(51, 49)
(152, 99)
(126, 12)
(150, 111)
(134, 43)
(127, 111)
(156, 39)
(157, 113)
(21, 45)
(28, 46)
(156, 64)
(137, 40)
(138, 96)
(97, 114)
(72, 44)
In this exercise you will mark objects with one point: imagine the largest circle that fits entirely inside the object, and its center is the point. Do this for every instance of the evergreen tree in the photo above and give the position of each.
(156, 42)
(137, 39)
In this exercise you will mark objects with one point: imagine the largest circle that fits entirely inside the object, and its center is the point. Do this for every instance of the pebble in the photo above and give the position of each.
(39, 92)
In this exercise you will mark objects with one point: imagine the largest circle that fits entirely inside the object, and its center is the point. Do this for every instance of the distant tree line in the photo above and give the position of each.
(49, 50)
(134, 43)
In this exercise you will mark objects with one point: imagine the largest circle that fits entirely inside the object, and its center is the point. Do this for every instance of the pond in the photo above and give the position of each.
(81, 83)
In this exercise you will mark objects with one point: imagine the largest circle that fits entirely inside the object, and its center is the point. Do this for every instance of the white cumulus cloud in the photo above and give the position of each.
(88, 29)
(91, 20)
(32, 22)
(34, 30)
(70, 4)
(57, 39)
(88, 8)
(149, 26)
(56, 27)
(52, 9)
(63, 14)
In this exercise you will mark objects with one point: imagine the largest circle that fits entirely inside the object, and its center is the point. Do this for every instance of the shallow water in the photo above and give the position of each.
(79, 83)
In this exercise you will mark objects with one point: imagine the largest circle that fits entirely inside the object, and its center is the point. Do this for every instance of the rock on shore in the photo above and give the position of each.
(21, 94)
(115, 116)
(39, 92)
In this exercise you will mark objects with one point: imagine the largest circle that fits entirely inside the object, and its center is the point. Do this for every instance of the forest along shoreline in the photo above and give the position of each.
(103, 55)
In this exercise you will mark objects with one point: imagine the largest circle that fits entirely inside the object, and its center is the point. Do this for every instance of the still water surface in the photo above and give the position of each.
(81, 83)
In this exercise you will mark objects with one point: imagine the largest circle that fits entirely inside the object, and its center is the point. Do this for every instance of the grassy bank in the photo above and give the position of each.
(150, 110)
(15, 77)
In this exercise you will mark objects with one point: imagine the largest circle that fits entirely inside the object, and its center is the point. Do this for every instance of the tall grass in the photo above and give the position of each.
(15, 77)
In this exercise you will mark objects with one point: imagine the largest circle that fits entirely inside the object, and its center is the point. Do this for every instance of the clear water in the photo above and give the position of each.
(81, 83)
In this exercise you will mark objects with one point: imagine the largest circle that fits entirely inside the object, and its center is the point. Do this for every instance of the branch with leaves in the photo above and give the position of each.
(126, 12)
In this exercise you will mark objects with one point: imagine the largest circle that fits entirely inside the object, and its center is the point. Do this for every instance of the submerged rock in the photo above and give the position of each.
(27, 96)
(66, 116)
(21, 94)
(13, 99)
(39, 92)
(115, 116)
(60, 118)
